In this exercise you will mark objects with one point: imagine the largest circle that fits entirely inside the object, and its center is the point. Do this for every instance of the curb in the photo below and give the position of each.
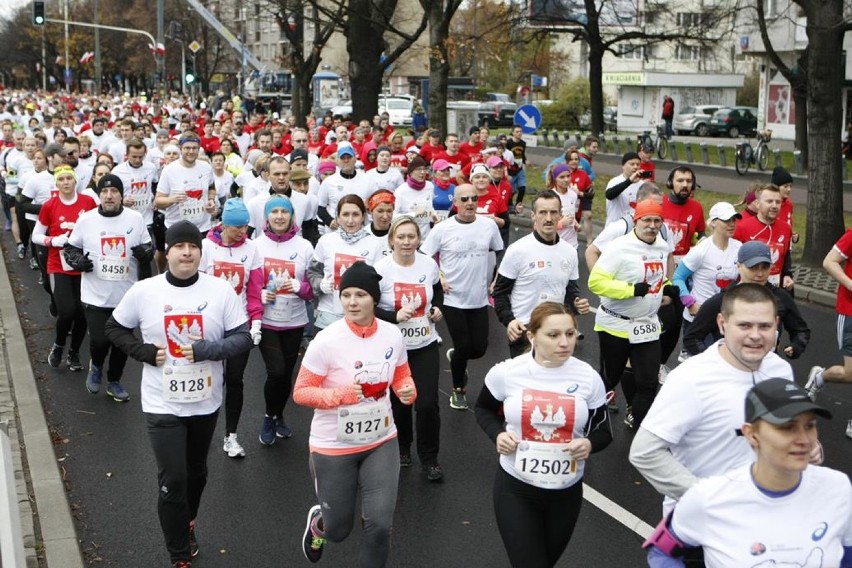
(57, 529)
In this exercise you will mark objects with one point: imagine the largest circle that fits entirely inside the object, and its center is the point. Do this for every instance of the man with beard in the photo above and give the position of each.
(683, 215)
(112, 249)
(186, 191)
(537, 268)
(137, 177)
(101, 138)
(777, 234)
(630, 278)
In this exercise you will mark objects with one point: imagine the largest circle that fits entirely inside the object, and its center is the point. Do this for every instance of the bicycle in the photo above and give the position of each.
(660, 145)
(759, 156)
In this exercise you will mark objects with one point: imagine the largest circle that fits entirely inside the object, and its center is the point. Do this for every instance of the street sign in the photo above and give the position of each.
(194, 46)
(528, 118)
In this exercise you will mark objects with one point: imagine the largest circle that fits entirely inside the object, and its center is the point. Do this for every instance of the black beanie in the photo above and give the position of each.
(629, 156)
(110, 180)
(183, 232)
(780, 176)
(362, 275)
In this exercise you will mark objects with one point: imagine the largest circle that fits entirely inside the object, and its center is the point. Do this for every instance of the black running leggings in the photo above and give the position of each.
(535, 524)
(425, 370)
(469, 331)
(100, 346)
(280, 351)
(70, 314)
(645, 362)
(235, 368)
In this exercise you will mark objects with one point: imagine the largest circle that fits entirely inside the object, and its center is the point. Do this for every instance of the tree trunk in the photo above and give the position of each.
(825, 184)
(596, 53)
(365, 44)
(439, 66)
(800, 99)
(300, 104)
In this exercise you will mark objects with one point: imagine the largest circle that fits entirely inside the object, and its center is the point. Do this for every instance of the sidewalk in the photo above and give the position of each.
(47, 526)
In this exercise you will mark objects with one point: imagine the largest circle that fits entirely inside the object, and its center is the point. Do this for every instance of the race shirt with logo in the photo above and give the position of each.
(336, 186)
(256, 207)
(139, 185)
(38, 186)
(109, 242)
(281, 262)
(456, 161)
(59, 218)
(777, 237)
(412, 287)
(624, 202)
(713, 270)
(570, 203)
(231, 264)
(16, 165)
(546, 408)
(389, 179)
(173, 316)
(342, 358)
(194, 182)
(541, 273)
(336, 256)
(417, 203)
(683, 221)
(844, 297)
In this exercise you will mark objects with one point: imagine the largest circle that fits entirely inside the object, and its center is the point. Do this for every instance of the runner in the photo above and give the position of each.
(767, 227)
(381, 206)
(186, 191)
(346, 375)
(189, 323)
(621, 190)
(411, 298)
(414, 197)
(546, 413)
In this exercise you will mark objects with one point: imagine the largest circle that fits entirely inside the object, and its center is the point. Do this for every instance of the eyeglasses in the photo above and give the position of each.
(300, 140)
(466, 198)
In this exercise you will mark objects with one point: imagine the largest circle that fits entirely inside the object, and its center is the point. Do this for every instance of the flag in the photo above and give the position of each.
(159, 49)
(87, 57)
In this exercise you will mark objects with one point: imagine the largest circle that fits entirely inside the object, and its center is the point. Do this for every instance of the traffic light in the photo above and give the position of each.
(38, 13)
(190, 78)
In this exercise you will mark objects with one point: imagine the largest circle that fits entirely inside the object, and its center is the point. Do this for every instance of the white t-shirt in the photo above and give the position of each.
(389, 179)
(282, 261)
(410, 286)
(223, 184)
(336, 186)
(118, 150)
(541, 273)
(632, 260)
(569, 208)
(336, 256)
(699, 408)
(17, 165)
(546, 408)
(194, 182)
(108, 242)
(167, 315)
(620, 206)
(622, 227)
(712, 269)
(416, 203)
(737, 524)
(38, 186)
(464, 249)
(257, 205)
(384, 242)
(231, 264)
(138, 184)
(343, 358)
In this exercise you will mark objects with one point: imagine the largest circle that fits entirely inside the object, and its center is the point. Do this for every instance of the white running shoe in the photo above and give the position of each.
(664, 374)
(232, 447)
(811, 386)
(849, 429)
(683, 356)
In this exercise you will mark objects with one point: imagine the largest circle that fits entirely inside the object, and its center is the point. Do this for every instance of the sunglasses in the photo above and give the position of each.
(466, 198)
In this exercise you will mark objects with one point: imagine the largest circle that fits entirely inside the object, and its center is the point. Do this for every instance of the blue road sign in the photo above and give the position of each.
(528, 118)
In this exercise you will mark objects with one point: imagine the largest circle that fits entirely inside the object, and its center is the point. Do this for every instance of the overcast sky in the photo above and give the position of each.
(7, 7)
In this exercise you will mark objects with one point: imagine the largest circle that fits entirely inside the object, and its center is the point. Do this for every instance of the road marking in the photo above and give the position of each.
(617, 512)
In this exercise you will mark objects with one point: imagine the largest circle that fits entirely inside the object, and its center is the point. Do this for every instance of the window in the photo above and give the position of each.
(630, 51)
(688, 52)
(770, 8)
(651, 17)
(690, 19)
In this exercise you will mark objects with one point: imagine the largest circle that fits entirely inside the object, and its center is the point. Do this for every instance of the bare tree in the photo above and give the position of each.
(439, 14)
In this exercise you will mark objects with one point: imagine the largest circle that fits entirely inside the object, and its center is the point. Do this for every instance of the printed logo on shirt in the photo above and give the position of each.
(819, 532)
(680, 232)
(341, 263)
(113, 246)
(276, 273)
(233, 273)
(194, 193)
(410, 296)
(374, 382)
(547, 416)
(654, 275)
(757, 549)
(777, 257)
(182, 329)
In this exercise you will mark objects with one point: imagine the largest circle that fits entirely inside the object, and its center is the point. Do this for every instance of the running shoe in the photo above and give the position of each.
(683, 356)
(450, 352)
(33, 264)
(117, 392)
(182, 564)
(54, 358)
(94, 378)
(73, 361)
(811, 386)
(440, 340)
(405, 459)
(849, 429)
(312, 545)
(664, 374)
(281, 429)
(232, 447)
(628, 417)
(193, 542)
(458, 400)
(612, 402)
(22, 251)
(267, 431)
(434, 473)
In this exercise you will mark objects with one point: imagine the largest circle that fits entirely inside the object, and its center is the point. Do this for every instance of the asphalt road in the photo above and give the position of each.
(253, 510)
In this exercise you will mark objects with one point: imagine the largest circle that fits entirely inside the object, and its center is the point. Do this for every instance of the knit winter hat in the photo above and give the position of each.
(362, 275)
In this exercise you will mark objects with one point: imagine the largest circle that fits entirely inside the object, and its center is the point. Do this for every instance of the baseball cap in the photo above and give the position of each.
(754, 252)
(298, 154)
(479, 169)
(494, 161)
(440, 165)
(345, 150)
(778, 401)
(723, 211)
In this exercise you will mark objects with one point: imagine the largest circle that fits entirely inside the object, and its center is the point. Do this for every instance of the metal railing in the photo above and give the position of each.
(11, 541)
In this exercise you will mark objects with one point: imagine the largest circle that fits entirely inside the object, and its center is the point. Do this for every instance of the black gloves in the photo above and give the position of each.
(640, 289)
(77, 260)
(143, 253)
(671, 291)
(796, 351)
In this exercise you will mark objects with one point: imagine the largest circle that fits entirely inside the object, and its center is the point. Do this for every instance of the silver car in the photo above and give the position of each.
(694, 119)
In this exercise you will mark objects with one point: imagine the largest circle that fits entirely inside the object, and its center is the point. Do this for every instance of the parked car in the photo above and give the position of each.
(400, 108)
(498, 97)
(733, 121)
(495, 113)
(610, 118)
(694, 119)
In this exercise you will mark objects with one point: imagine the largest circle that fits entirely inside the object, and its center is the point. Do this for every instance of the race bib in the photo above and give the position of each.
(415, 331)
(280, 310)
(644, 330)
(141, 196)
(113, 268)
(192, 210)
(422, 212)
(775, 279)
(441, 214)
(545, 465)
(187, 383)
(364, 423)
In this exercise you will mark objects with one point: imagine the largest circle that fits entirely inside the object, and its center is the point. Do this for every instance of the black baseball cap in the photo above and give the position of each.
(778, 401)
